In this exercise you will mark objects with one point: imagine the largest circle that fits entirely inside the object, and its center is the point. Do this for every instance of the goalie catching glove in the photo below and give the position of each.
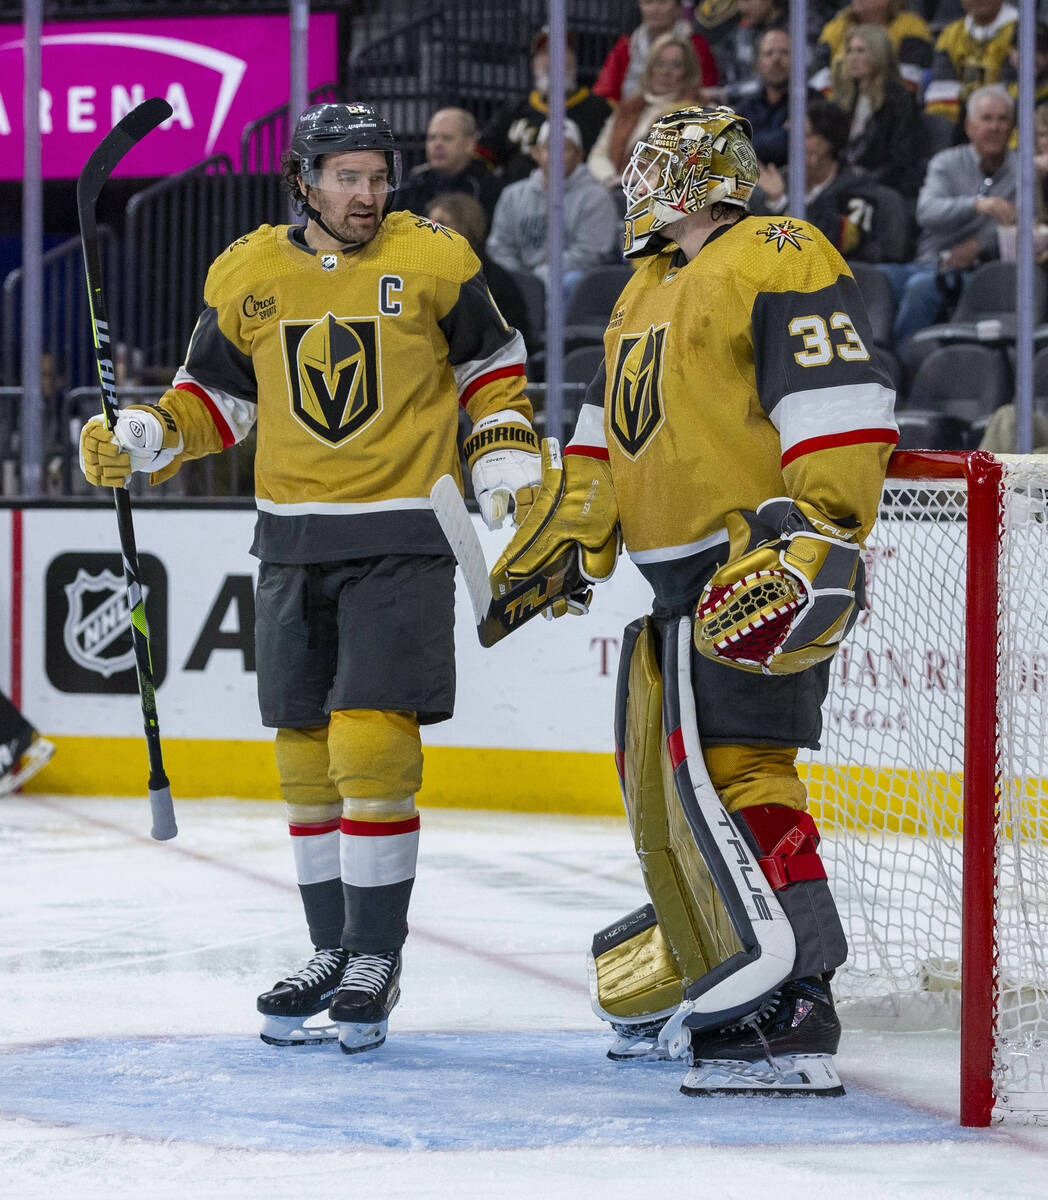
(570, 533)
(789, 593)
(502, 454)
(146, 437)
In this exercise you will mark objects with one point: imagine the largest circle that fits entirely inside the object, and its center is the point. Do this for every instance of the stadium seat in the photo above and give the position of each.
(580, 366)
(985, 312)
(924, 430)
(879, 299)
(534, 292)
(892, 233)
(963, 381)
(591, 304)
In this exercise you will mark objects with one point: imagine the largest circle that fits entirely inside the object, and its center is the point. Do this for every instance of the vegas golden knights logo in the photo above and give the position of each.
(333, 374)
(636, 398)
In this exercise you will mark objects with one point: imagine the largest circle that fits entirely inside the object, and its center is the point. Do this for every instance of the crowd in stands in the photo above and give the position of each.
(909, 145)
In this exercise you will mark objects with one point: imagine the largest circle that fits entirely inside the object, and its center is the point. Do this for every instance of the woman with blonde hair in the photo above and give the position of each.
(672, 78)
(885, 136)
(909, 35)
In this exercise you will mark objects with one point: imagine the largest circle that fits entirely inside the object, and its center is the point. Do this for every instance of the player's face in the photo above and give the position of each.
(351, 193)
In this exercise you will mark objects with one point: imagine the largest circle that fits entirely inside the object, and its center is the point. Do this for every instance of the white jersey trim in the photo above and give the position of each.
(512, 354)
(239, 415)
(347, 508)
(823, 412)
(589, 428)
(670, 553)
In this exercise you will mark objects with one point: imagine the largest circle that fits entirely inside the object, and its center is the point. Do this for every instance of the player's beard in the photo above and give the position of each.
(352, 223)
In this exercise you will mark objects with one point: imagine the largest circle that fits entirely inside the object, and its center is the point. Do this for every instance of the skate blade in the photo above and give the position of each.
(291, 1031)
(38, 755)
(355, 1039)
(787, 1075)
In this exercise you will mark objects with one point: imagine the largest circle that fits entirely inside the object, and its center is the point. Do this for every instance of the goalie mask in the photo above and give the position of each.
(690, 159)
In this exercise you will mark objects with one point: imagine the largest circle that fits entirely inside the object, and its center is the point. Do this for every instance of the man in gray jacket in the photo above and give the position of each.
(518, 238)
(968, 192)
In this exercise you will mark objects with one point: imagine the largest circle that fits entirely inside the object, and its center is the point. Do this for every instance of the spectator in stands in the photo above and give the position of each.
(519, 231)
(450, 166)
(969, 54)
(736, 52)
(1010, 68)
(672, 79)
(840, 203)
(909, 34)
(508, 140)
(968, 191)
(767, 109)
(620, 76)
(885, 138)
(464, 215)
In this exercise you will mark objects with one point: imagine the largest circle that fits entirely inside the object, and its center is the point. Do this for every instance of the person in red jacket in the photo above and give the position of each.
(620, 75)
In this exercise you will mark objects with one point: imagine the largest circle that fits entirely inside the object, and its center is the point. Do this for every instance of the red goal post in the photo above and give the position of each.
(931, 786)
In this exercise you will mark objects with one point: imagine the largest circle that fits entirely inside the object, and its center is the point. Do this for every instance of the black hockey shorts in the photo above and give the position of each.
(371, 633)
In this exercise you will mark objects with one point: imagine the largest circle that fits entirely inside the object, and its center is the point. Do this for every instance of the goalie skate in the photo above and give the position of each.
(37, 754)
(639, 1042)
(786, 1048)
(369, 989)
(289, 1004)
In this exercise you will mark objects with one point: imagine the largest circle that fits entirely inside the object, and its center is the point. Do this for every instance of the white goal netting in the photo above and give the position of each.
(888, 783)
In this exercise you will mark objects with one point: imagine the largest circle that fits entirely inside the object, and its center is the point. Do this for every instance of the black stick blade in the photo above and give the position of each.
(124, 135)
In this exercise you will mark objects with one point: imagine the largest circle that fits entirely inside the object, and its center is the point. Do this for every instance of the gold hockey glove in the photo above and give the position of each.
(146, 438)
(571, 531)
(789, 593)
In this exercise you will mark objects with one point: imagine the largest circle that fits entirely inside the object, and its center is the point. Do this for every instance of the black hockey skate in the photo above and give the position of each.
(292, 1001)
(786, 1048)
(369, 989)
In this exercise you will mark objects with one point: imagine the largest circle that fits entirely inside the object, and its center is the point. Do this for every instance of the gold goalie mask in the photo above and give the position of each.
(691, 158)
(789, 593)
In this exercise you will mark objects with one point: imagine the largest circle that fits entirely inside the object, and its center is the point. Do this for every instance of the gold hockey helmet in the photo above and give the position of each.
(691, 158)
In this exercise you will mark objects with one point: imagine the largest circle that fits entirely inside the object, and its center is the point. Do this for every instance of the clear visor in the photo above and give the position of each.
(353, 181)
(646, 173)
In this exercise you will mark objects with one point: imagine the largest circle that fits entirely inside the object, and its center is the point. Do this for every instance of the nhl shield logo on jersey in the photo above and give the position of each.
(333, 375)
(636, 400)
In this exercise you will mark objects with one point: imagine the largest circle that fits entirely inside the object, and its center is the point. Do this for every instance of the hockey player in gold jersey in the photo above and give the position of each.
(354, 340)
(736, 438)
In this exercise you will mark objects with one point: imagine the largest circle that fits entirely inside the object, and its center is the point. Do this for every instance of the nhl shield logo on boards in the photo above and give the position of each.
(89, 647)
(97, 617)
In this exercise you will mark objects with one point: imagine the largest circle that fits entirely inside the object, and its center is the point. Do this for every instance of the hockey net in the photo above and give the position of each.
(931, 787)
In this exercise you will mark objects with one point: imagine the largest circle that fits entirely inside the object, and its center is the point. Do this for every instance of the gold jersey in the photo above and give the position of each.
(355, 366)
(968, 56)
(746, 373)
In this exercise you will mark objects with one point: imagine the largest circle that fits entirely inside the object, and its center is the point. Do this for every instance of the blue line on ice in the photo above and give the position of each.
(423, 1091)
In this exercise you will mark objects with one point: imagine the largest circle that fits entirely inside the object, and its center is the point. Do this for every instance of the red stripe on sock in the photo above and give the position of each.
(379, 828)
(310, 830)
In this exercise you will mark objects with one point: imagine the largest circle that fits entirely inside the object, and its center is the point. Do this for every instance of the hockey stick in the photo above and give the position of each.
(121, 138)
(498, 616)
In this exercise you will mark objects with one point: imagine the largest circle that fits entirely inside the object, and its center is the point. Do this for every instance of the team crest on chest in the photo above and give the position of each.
(333, 374)
(328, 262)
(636, 398)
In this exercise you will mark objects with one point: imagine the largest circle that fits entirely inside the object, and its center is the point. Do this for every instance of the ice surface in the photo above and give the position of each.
(131, 1066)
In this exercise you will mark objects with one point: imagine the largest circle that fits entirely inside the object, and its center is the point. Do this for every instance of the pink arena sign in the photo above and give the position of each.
(218, 73)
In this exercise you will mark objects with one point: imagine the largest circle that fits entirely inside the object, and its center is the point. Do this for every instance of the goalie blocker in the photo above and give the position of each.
(739, 901)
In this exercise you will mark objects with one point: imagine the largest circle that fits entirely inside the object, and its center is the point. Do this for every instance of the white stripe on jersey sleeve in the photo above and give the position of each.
(238, 414)
(511, 354)
(824, 412)
(589, 429)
